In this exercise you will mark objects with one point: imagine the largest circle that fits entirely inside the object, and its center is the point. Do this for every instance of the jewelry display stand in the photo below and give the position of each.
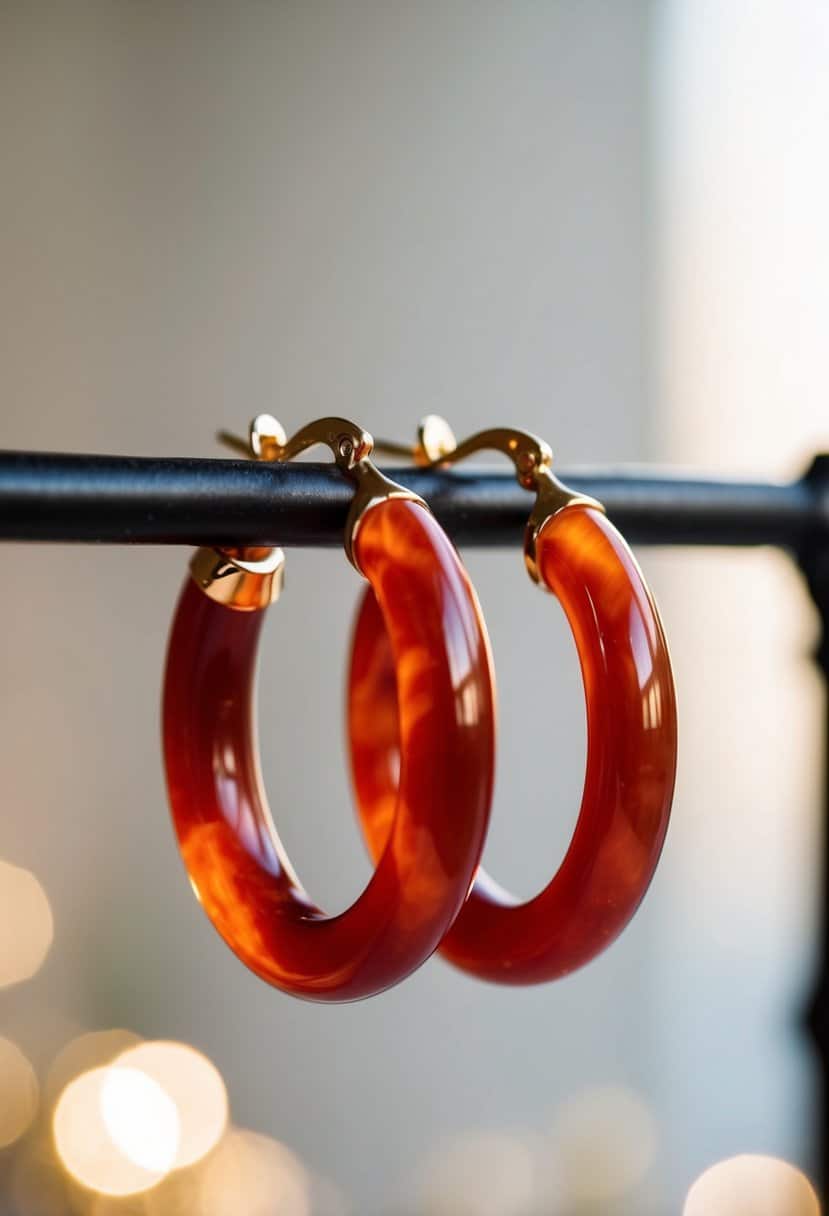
(132, 500)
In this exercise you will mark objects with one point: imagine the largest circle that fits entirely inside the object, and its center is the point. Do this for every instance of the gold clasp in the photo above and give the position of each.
(435, 442)
(532, 459)
(247, 580)
(351, 447)
(251, 578)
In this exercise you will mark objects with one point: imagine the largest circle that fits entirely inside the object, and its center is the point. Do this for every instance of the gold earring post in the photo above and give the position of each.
(435, 443)
(351, 447)
(244, 580)
(235, 442)
(532, 460)
(266, 439)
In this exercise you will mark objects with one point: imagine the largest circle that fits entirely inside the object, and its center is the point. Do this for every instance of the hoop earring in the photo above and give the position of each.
(572, 550)
(444, 720)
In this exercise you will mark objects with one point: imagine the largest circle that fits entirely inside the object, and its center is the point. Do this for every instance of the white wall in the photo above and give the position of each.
(741, 255)
(376, 210)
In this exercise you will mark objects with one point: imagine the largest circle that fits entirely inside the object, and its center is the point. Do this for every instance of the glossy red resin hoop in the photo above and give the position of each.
(631, 762)
(444, 723)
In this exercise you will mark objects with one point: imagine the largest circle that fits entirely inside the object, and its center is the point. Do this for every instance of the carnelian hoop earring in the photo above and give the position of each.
(444, 714)
(573, 551)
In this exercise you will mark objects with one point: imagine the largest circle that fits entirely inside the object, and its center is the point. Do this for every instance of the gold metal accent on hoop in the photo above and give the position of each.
(351, 448)
(531, 457)
(250, 579)
(237, 581)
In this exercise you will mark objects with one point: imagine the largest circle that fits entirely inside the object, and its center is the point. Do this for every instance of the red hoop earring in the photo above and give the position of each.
(577, 554)
(444, 722)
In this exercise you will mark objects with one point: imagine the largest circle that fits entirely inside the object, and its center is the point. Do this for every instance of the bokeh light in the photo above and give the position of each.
(175, 1195)
(762, 1186)
(118, 1205)
(604, 1142)
(84, 1137)
(141, 1118)
(482, 1174)
(91, 1050)
(195, 1086)
(255, 1175)
(26, 925)
(18, 1093)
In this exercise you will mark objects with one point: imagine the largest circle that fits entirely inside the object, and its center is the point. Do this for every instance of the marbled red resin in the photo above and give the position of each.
(631, 762)
(435, 818)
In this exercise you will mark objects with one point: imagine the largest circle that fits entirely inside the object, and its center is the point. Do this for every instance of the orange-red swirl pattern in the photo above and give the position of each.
(631, 762)
(435, 818)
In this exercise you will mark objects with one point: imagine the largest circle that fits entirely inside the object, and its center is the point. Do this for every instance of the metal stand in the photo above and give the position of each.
(136, 500)
(813, 559)
(123, 500)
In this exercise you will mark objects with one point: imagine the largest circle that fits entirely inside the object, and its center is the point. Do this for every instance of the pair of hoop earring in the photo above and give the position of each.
(421, 717)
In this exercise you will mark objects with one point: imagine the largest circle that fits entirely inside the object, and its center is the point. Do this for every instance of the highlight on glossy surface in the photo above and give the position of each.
(436, 816)
(631, 762)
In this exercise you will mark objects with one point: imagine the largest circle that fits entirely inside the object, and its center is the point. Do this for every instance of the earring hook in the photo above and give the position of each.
(532, 460)
(266, 436)
(435, 443)
(249, 579)
(351, 447)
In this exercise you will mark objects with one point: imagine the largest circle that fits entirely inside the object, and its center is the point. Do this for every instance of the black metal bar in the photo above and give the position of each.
(813, 558)
(139, 500)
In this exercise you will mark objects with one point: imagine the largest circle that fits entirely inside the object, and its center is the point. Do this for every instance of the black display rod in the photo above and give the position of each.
(141, 500)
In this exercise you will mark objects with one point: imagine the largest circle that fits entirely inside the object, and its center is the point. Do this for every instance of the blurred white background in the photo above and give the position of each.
(601, 221)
